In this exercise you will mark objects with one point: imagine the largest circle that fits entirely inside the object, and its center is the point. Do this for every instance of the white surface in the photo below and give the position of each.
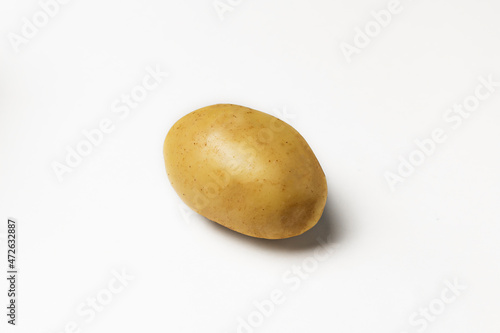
(394, 250)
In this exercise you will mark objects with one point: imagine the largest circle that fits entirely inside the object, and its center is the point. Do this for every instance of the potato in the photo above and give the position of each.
(246, 170)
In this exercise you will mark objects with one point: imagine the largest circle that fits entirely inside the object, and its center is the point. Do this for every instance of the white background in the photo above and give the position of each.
(394, 250)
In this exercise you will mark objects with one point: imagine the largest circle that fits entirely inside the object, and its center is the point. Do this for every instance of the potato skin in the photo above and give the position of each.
(246, 170)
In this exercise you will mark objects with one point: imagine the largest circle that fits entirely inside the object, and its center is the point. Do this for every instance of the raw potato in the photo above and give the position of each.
(245, 170)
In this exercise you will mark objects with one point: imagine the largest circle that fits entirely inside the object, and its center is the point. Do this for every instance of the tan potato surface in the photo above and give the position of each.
(246, 170)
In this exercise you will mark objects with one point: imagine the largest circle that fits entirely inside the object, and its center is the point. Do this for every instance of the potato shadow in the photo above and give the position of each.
(329, 230)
